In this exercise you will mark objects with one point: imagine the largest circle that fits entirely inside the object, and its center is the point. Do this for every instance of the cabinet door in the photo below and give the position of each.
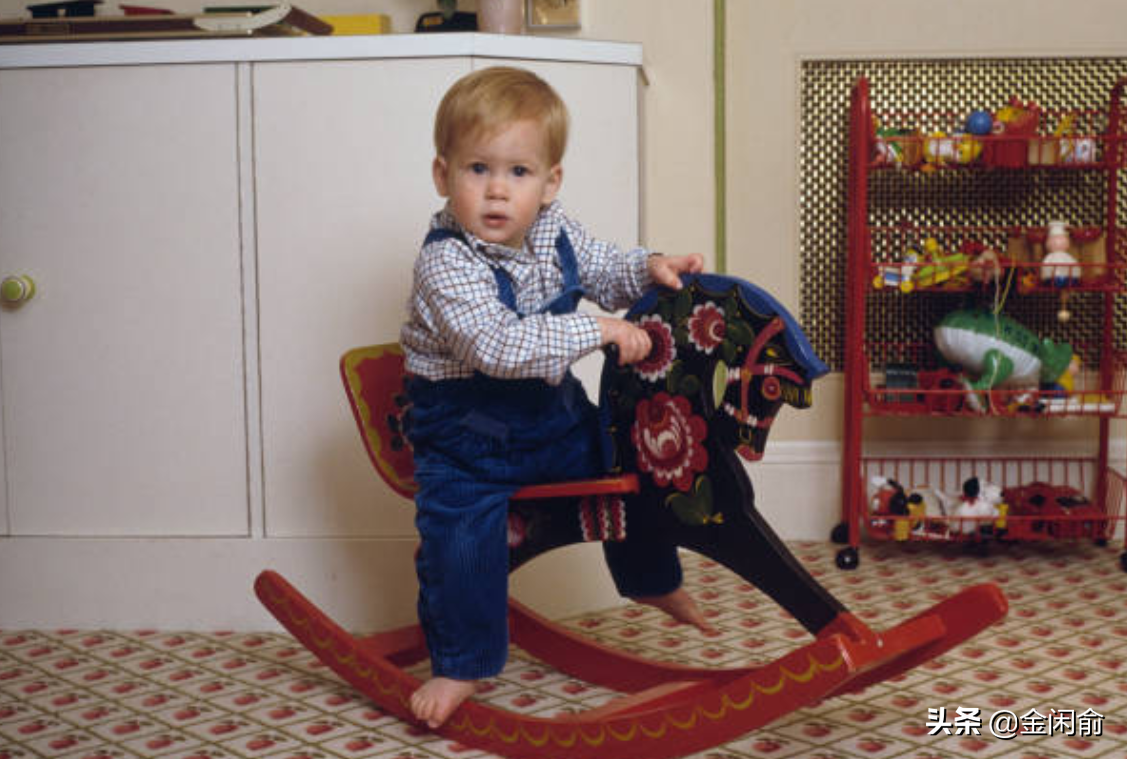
(122, 378)
(343, 154)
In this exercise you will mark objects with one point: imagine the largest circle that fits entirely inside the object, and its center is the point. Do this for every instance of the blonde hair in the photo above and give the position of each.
(481, 102)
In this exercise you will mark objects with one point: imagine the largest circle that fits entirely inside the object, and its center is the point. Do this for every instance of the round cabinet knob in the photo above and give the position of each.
(16, 290)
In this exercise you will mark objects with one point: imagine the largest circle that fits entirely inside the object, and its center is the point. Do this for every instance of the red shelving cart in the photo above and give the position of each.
(938, 217)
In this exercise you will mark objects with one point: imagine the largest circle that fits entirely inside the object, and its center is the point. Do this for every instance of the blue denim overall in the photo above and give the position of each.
(476, 441)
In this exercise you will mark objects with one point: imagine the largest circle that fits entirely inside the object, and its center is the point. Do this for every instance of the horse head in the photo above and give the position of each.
(726, 358)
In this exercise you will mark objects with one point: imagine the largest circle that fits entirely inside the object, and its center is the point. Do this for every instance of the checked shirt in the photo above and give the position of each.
(457, 323)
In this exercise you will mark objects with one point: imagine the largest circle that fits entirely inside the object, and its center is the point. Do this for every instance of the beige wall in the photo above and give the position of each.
(766, 42)
(678, 214)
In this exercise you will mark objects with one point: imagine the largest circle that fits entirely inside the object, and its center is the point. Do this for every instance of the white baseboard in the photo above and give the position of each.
(798, 488)
(366, 584)
(207, 584)
(196, 583)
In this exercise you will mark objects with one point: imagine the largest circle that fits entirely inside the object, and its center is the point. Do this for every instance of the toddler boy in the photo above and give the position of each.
(491, 335)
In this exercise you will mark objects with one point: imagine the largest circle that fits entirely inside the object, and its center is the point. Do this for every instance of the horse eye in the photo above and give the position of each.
(771, 388)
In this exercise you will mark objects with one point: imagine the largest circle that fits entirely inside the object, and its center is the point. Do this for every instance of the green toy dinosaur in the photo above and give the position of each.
(1000, 351)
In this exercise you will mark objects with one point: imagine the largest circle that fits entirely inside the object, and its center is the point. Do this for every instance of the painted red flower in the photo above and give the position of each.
(669, 439)
(656, 365)
(707, 327)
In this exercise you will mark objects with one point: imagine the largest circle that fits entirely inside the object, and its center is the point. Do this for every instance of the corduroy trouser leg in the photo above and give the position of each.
(468, 462)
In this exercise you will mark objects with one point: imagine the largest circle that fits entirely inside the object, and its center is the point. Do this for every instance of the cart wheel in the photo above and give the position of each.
(1101, 542)
(840, 534)
(848, 558)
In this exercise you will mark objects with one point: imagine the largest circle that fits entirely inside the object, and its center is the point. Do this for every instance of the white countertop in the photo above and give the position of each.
(227, 50)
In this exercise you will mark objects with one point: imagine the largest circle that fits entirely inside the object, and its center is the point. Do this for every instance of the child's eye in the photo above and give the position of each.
(478, 168)
(520, 171)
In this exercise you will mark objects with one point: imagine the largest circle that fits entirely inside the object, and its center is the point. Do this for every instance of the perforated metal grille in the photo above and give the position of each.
(998, 199)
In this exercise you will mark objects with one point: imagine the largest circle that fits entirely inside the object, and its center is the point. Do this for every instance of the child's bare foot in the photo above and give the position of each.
(681, 606)
(437, 698)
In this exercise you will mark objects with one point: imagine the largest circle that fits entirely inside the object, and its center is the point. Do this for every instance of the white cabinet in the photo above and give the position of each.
(343, 152)
(210, 224)
(122, 378)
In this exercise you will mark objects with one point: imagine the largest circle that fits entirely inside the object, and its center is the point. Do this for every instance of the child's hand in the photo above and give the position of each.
(633, 342)
(667, 270)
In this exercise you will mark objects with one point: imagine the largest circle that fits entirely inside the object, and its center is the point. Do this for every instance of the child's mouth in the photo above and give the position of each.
(495, 220)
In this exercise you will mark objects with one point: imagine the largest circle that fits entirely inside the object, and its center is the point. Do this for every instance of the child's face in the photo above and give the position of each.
(498, 182)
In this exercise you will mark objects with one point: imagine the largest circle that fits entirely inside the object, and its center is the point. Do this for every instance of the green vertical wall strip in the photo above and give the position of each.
(719, 14)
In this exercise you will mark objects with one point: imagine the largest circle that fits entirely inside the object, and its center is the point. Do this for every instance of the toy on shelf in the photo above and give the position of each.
(1059, 266)
(917, 514)
(978, 509)
(899, 276)
(939, 267)
(985, 263)
(904, 375)
(908, 258)
(943, 391)
(959, 149)
(980, 123)
(1045, 151)
(908, 389)
(1000, 352)
(1022, 249)
(1014, 125)
(1080, 403)
(1063, 147)
(1056, 511)
(888, 501)
(1092, 242)
(928, 510)
(896, 147)
(1078, 150)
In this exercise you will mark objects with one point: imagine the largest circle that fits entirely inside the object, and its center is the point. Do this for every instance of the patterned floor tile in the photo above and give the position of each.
(100, 694)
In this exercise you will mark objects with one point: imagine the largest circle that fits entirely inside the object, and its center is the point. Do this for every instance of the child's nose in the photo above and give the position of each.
(497, 187)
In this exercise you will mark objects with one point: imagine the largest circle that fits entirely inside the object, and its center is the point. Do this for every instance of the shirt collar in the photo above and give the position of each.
(446, 219)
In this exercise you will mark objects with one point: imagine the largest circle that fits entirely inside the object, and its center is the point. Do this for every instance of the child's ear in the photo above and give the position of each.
(552, 186)
(438, 171)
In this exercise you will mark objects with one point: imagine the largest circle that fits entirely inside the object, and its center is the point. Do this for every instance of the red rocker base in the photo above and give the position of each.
(727, 357)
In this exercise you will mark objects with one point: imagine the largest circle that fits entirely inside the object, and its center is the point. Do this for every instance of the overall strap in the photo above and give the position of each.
(500, 276)
(505, 288)
(438, 234)
(568, 262)
(568, 299)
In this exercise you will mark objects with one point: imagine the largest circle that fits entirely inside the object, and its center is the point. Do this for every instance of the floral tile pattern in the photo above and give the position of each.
(1049, 682)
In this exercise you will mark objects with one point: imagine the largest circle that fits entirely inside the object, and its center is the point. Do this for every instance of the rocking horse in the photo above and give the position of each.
(726, 358)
